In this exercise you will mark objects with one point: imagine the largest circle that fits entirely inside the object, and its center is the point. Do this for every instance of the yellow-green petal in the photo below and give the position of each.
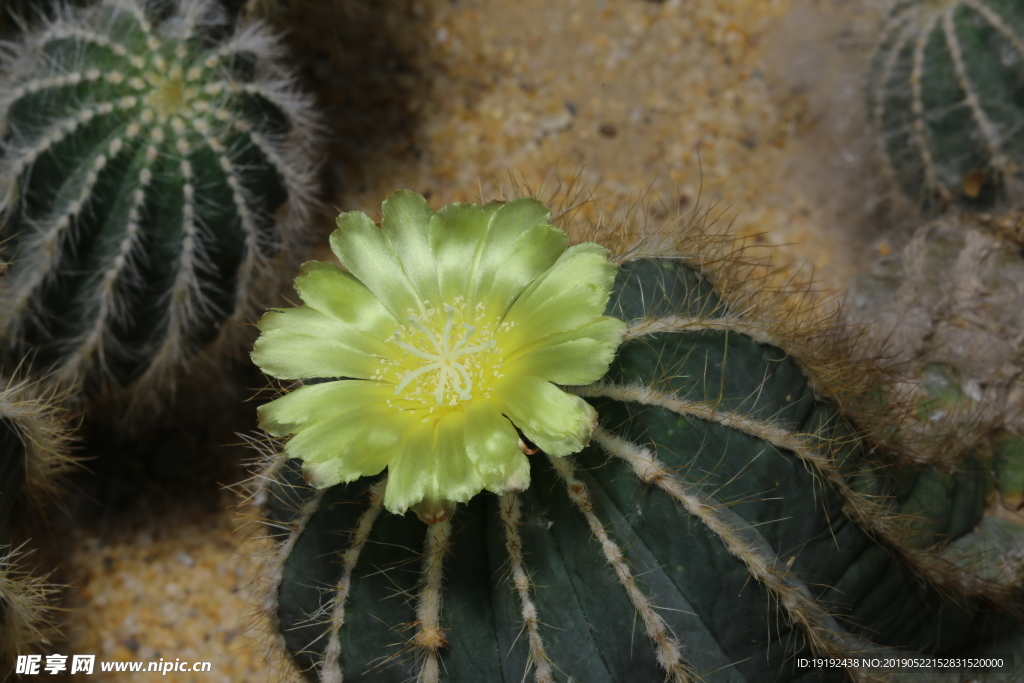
(535, 251)
(351, 449)
(326, 288)
(405, 223)
(580, 361)
(360, 450)
(571, 294)
(432, 466)
(300, 343)
(505, 226)
(352, 399)
(366, 252)
(455, 233)
(559, 423)
(606, 329)
(307, 321)
(492, 445)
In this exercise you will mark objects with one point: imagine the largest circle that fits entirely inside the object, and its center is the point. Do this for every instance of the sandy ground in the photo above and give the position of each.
(684, 102)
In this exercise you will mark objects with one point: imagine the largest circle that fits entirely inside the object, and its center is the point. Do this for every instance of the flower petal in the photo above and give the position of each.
(455, 233)
(350, 332)
(326, 288)
(406, 224)
(300, 343)
(432, 466)
(492, 445)
(606, 329)
(366, 252)
(535, 251)
(557, 422)
(571, 294)
(580, 361)
(506, 224)
(351, 399)
(338, 450)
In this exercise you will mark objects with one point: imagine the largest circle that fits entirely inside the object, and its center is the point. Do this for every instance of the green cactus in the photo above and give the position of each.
(946, 94)
(724, 521)
(152, 183)
(33, 457)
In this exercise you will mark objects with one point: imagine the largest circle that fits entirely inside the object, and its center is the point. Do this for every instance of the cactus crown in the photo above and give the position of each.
(947, 95)
(141, 174)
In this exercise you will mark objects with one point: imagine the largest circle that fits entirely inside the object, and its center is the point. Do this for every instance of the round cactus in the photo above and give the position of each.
(946, 93)
(152, 180)
(724, 521)
(33, 456)
(951, 298)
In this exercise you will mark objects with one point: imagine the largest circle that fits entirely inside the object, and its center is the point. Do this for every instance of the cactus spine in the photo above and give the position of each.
(152, 178)
(947, 96)
(33, 457)
(719, 494)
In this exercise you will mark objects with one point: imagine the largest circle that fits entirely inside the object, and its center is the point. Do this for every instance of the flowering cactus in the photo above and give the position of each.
(720, 521)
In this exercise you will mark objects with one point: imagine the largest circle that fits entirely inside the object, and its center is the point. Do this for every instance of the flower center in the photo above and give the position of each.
(444, 363)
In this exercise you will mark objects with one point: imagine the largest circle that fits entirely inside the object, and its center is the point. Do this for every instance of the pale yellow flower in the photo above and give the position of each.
(449, 331)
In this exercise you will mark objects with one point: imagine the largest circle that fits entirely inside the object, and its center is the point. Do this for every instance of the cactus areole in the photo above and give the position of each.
(148, 180)
(449, 332)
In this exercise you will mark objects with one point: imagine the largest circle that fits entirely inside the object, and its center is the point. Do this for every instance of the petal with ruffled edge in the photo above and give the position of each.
(506, 224)
(349, 399)
(405, 223)
(457, 230)
(492, 445)
(571, 294)
(533, 253)
(606, 329)
(345, 424)
(432, 466)
(366, 252)
(580, 361)
(557, 422)
(326, 288)
(342, 452)
(300, 343)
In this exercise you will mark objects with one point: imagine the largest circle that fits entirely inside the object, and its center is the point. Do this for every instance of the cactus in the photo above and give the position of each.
(33, 458)
(951, 298)
(152, 184)
(946, 94)
(724, 520)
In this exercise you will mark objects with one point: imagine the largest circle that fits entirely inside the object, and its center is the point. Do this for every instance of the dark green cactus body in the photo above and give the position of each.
(142, 169)
(946, 93)
(723, 522)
